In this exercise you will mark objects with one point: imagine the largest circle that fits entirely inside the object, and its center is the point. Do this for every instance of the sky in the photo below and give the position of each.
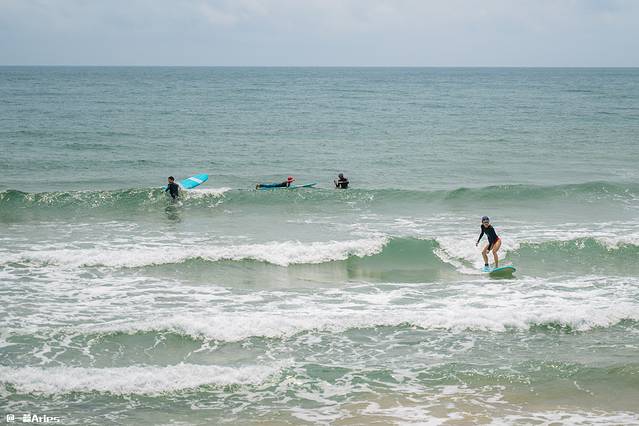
(545, 33)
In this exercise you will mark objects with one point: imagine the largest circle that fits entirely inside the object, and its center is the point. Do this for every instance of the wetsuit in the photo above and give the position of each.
(490, 234)
(285, 184)
(342, 183)
(173, 189)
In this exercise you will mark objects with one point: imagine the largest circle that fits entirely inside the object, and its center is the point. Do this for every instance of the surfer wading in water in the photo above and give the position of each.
(341, 182)
(173, 188)
(493, 242)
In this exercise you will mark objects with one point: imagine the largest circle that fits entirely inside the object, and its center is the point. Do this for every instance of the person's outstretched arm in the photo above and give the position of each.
(480, 236)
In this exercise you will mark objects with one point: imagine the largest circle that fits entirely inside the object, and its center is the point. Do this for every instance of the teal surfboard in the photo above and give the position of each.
(193, 181)
(502, 271)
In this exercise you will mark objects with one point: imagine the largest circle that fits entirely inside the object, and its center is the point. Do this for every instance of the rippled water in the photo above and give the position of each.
(317, 305)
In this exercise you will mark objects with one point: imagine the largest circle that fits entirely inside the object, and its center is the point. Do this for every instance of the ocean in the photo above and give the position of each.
(319, 306)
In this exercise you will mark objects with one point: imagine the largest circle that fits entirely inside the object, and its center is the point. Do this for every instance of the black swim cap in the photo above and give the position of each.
(485, 218)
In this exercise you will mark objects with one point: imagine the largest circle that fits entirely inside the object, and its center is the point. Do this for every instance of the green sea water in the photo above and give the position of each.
(319, 306)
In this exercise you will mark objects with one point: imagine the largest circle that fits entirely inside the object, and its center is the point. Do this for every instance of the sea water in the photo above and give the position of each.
(319, 306)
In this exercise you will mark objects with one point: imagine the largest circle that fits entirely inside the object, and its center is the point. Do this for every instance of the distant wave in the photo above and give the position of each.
(527, 192)
(18, 204)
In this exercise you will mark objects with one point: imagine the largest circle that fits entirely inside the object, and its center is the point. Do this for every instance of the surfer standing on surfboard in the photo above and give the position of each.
(493, 242)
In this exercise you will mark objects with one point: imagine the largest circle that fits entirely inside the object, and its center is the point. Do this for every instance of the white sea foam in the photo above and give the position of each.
(131, 380)
(490, 308)
(141, 305)
(463, 405)
(207, 192)
(597, 417)
(278, 253)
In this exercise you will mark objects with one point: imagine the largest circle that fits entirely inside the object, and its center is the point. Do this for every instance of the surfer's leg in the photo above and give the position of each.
(484, 254)
(495, 249)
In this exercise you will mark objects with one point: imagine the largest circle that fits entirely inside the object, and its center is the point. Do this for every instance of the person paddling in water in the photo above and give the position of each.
(286, 184)
(493, 242)
(173, 188)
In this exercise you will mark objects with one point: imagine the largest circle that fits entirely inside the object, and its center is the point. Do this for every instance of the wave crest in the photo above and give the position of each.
(130, 380)
(154, 198)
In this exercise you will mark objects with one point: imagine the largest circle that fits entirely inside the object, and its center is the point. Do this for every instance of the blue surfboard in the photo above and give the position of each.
(502, 271)
(194, 181)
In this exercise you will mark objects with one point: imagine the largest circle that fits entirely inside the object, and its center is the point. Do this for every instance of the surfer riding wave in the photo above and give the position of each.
(494, 242)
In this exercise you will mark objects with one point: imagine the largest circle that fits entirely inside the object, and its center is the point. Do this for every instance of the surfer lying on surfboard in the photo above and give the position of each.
(493, 242)
(289, 180)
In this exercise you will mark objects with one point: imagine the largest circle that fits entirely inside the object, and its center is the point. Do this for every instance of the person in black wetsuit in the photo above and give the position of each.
(493, 242)
(173, 188)
(341, 182)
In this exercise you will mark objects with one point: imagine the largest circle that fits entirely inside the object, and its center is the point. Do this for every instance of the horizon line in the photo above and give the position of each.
(326, 66)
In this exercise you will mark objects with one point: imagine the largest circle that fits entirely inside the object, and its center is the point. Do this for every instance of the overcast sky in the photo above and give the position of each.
(321, 32)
